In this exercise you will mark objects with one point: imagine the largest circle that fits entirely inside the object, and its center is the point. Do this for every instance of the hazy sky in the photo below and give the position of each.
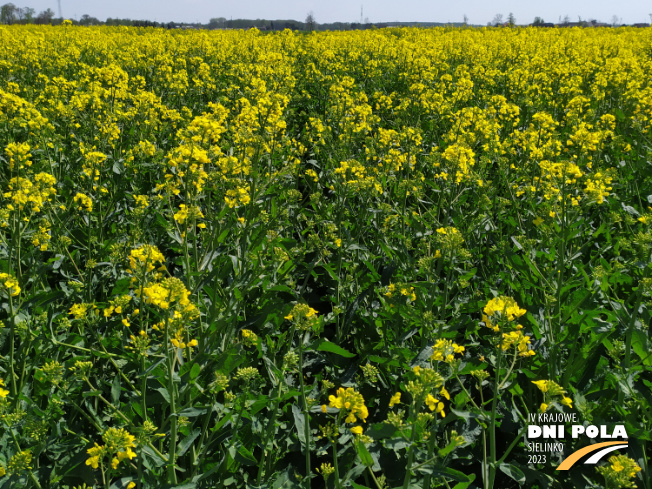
(477, 11)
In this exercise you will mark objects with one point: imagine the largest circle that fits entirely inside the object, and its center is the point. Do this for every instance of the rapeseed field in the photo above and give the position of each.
(363, 259)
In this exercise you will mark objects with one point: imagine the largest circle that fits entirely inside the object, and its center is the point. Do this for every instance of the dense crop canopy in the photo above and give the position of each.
(251, 259)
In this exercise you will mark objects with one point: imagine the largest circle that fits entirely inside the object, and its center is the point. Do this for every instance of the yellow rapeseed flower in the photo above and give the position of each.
(352, 402)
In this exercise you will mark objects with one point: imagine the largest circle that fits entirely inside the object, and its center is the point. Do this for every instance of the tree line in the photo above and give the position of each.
(10, 14)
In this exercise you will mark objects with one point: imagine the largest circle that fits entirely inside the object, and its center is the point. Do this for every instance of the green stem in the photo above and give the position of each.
(172, 475)
(12, 347)
(511, 446)
(429, 458)
(306, 423)
(509, 371)
(204, 431)
(338, 482)
(376, 481)
(492, 426)
(265, 467)
(410, 460)
(23, 363)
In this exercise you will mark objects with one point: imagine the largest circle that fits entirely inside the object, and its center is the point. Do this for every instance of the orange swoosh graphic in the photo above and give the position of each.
(575, 456)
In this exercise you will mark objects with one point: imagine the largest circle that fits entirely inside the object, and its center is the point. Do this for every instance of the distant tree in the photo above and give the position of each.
(28, 14)
(45, 17)
(511, 20)
(538, 21)
(88, 20)
(498, 20)
(615, 21)
(466, 19)
(566, 20)
(8, 13)
(310, 21)
(216, 23)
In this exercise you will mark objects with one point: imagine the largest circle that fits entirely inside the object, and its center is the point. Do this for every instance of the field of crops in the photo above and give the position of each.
(358, 260)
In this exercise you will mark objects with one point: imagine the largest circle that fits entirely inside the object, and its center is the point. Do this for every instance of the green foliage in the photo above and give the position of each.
(233, 259)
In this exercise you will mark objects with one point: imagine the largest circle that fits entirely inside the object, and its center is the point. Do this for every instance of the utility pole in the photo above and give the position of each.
(60, 14)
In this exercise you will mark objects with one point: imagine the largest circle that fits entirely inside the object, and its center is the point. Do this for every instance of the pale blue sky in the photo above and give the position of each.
(478, 11)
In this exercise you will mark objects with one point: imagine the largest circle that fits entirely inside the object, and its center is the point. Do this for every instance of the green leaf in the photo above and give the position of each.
(187, 442)
(442, 471)
(513, 472)
(191, 412)
(194, 371)
(464, 485)
(115, 390)
(299, 424)
(358, 486)
(151, 454)
(121, 287)
(244, 456)
(164, 392)
(44, 299)
(640, 347)
(333, 348)
(138, 409)
(364, 454)
(380, 431)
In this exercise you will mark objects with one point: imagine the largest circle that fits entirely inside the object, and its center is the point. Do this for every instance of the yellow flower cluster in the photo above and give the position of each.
(187, 213)
(83, 201)
(461, 159)
(19, 155)
(395, 399)
(304, 317)
(501, 308)
(144, 259)
(619, 471)
(81, 311)
(435, 404)
(249, 338)
(42, 237)
(118, 444)
(550, 390)
(422, 388)
(598, 185)
(351, 402)
(402, 290)
(23, 191)
(3, 392)
(445, 350)
(20, 462)
(166, 292)
(237, 197)
(117, 305)
(92, 164)
(518, 340)
(9, 284)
